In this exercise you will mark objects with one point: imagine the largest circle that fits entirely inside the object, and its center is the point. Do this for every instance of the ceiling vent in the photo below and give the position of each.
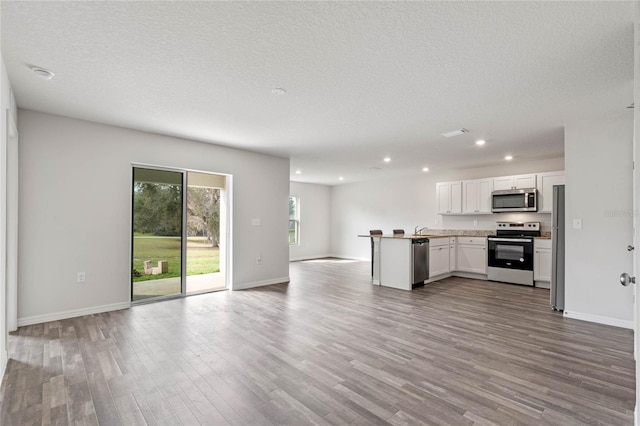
(42, 73)
(453, 133)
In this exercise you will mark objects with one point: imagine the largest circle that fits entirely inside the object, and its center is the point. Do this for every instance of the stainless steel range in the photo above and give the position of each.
(510, 257)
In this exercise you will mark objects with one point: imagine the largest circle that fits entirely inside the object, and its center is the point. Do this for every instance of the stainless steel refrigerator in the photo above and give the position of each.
(557, 249)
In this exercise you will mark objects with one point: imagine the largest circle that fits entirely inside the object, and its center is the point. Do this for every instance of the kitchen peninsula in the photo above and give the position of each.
(398, 259)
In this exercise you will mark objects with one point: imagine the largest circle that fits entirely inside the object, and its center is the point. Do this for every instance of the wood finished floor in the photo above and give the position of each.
(328, 348)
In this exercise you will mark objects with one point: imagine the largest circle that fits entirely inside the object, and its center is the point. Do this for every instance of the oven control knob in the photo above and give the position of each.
(522, 259)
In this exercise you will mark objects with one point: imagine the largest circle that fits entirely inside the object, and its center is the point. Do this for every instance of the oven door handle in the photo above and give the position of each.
(510, 240)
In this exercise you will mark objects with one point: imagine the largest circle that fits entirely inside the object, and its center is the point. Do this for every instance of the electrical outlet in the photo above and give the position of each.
(81, 277)
(577, 223)
(258, 259)
(255, 222)
(475, 222)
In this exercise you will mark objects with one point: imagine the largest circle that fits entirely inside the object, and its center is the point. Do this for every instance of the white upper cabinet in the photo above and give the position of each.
(545, 189)
(476, 196)
(524, 181)
(501, 183)
(514, 182)
(449, 197)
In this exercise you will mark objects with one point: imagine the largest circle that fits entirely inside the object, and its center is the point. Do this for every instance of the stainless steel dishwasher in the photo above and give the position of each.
(420, 260)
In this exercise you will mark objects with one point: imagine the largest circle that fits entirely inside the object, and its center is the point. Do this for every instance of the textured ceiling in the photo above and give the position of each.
(363, 80)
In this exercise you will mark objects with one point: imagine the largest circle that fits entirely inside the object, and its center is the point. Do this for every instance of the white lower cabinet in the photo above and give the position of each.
(448, 255)
(542, 260)
(438, 256)
(453, 254)
(472, 255)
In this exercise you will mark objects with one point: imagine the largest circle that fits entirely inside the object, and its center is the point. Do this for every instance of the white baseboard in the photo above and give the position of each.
(471, 275)
(299, 258)
(543, 284)
(363, 259)
(438, 277)
(600, 319)
(56, 316)
(244, 286)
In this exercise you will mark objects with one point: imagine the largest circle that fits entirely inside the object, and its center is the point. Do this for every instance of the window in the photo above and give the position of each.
(294, 220)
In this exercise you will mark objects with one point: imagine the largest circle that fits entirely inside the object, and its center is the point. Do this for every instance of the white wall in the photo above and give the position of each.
(5, 100)
(599, 170)
(406, 202)
(315, 221)
(75, 204)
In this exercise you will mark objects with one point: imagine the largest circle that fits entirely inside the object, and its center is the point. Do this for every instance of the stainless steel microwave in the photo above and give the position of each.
(514, 200)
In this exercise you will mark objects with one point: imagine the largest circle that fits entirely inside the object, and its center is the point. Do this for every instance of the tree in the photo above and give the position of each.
(203, 208)
(157, 208)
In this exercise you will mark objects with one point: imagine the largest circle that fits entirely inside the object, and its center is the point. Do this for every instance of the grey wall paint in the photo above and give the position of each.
(315, 221)
(599, 190)
(75, 201)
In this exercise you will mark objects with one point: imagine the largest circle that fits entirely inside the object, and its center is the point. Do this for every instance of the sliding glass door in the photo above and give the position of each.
(206, 232)
(157, 248)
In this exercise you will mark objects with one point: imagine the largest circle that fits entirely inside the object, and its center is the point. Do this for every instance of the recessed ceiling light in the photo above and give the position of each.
(298, 171)
(278, 91)
(340, 178)
(42, 73)
(480, 142)
(387, 159)
(425, 169)
(453, 133)
(509, 157)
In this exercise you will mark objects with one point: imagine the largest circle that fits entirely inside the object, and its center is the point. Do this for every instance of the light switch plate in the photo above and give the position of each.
(255, 222)
(577, 223)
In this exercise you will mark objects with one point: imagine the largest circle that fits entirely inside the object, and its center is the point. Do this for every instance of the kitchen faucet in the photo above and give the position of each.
(417, 231)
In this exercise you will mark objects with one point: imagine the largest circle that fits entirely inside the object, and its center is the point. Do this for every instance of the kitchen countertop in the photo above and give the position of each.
(438, 233)
(546, 235)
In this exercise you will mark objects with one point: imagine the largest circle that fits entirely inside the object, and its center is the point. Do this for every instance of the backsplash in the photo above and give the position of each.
(488, 221)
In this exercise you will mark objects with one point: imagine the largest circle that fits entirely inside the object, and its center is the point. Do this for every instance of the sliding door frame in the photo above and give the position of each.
(228, 261)
(183, 246)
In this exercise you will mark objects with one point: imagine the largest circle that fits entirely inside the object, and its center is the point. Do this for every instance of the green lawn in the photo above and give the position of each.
(201, 257)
